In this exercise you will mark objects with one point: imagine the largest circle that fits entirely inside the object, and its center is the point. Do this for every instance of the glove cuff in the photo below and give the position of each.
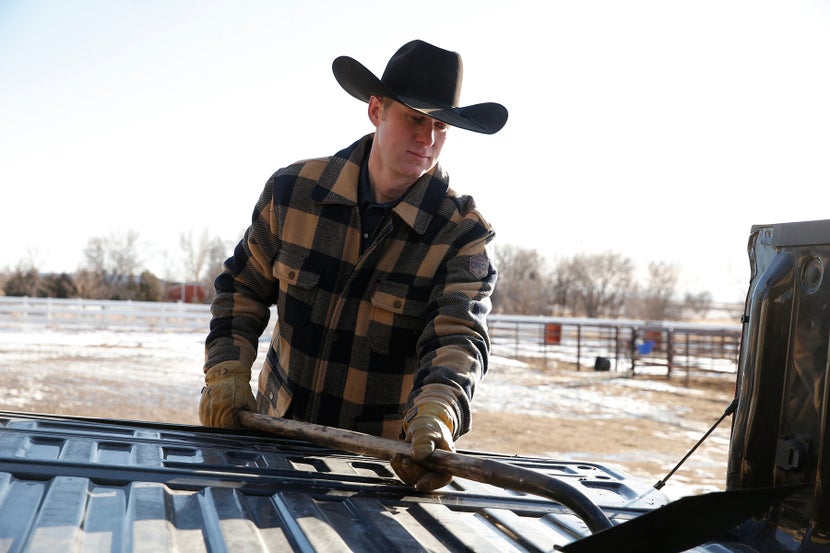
(436, 400)
(226, 370)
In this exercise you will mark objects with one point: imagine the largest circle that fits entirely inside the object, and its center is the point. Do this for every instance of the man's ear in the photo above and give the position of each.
(375, 109)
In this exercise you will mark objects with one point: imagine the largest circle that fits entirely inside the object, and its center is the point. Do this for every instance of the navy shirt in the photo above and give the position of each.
(372, 213)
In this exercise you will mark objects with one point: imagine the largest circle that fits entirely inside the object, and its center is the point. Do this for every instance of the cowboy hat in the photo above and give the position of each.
(425, 78)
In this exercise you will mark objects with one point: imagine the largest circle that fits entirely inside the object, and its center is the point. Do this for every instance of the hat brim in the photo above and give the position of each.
(357, 80)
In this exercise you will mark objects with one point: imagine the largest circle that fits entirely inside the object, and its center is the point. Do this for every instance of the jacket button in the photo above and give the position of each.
(398, 304)
(291, 274)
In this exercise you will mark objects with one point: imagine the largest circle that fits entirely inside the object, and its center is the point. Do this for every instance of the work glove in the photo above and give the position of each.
(427, 426)
(227, 391)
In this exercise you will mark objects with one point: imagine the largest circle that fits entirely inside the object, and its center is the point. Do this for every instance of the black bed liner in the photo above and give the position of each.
(76, 484)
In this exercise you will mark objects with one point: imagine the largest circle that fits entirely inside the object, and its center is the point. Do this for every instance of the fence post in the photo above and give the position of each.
(688, 354)
(516, 338)
(669, 351)
(635, 333)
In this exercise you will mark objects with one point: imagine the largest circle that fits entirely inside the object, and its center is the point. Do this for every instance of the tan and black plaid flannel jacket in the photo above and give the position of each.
(357, 332)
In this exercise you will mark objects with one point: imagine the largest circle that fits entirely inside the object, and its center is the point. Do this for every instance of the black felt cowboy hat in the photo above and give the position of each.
(425, 78)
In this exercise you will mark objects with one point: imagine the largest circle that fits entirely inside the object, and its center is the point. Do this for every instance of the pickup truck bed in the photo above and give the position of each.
(74, 484)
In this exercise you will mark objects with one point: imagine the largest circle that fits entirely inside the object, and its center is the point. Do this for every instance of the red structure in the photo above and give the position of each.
(186, 292)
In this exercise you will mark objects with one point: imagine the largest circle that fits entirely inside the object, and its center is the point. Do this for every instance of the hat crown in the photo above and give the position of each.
(425, 78)
(420, 70)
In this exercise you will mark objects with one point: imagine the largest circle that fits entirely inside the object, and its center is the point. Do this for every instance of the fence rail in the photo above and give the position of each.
(617, 344)
(98, 314)
(598, 344)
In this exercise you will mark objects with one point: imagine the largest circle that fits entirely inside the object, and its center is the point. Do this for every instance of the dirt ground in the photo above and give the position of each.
(612, 428)
(642, 424)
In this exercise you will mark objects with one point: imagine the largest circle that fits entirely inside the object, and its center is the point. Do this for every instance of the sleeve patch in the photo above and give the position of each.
(479, 266)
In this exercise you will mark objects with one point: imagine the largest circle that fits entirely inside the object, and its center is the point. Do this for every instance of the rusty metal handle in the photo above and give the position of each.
(487, 471)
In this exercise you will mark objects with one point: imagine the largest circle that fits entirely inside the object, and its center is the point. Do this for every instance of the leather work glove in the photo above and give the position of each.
(428, 426)
(227, 391)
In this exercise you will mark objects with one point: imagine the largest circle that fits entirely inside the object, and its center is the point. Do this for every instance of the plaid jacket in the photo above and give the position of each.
(356, 332)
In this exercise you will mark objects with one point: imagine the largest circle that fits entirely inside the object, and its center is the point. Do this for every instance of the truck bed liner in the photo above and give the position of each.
(77, 484)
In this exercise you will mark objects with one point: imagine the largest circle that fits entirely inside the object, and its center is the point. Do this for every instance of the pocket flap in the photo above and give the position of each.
(289, 270)
(392, 297)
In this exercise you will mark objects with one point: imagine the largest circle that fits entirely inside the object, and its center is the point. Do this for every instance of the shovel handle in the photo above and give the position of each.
(487, 471)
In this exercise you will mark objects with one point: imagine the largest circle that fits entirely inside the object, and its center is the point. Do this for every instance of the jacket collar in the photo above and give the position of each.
(338, 184)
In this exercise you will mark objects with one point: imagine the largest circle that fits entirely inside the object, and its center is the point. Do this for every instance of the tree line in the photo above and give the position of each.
(112, 269)
(601, 285)
(598, 285)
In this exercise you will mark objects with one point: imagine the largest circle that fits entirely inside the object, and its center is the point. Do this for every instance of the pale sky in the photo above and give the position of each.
(658, 129)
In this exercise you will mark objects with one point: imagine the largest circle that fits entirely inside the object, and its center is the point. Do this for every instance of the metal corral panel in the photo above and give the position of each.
(70, 484)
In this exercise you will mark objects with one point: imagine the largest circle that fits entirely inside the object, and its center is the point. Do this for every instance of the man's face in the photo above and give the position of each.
(408, 141)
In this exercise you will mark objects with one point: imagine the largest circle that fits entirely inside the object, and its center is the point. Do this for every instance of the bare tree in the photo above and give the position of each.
(564, 299)
(601, 282)
(204, 259)
(25, 279)
(657, 300)
(697, 305)
(524, 285)
(23, 282)
(195, 251)
(111, 263)
(89, 284)
(218, 252)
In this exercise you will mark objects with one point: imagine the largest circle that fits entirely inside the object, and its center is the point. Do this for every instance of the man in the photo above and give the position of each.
(379, 271)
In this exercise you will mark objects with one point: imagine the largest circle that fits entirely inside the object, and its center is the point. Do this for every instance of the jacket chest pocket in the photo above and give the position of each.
(396, 321)
(298, 288)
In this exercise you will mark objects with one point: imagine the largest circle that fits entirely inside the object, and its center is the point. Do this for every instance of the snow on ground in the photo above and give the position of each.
(507, 388)
(162, 357)
(41, 359)
(176, 358)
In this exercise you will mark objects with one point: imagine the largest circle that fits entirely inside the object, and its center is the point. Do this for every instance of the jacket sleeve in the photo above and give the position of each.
(455, 345)
(245, 290)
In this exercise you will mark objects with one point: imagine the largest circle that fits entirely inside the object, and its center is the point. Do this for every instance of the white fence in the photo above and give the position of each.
(625, 342)
(99, 314)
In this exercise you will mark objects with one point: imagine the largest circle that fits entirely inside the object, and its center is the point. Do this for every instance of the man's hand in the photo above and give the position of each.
(428, 426)
(227, 391)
